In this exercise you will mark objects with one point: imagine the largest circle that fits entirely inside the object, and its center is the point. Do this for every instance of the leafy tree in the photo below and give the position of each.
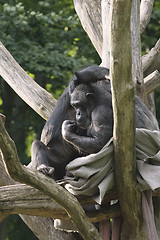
(46, 43)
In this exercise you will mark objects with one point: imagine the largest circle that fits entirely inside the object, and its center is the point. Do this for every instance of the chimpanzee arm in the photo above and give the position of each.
(87, 144)
(52, 128)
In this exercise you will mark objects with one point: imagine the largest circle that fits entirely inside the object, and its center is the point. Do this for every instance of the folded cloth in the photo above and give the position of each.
(93, 175)
(148, 158)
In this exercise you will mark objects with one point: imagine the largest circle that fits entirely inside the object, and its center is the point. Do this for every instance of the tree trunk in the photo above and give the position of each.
(123, 92)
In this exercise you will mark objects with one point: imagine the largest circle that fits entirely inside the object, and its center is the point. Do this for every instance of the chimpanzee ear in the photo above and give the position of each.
(73, 83)
(90, 96)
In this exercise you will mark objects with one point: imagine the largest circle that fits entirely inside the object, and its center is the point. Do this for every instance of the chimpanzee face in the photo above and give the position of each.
(82, 99)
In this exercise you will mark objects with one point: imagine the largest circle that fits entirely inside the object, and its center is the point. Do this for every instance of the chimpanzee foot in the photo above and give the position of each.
(49, 171)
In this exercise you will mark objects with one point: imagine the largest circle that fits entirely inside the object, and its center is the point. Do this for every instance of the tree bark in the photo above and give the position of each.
(145, 13)
(151, 61)
(152, 82)
(123, 92)
(23, 199)
(89, 13)
(35, 96)
(106, 24)
(137, 74)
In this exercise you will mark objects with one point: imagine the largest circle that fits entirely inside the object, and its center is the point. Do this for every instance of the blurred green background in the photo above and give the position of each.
(47, 40)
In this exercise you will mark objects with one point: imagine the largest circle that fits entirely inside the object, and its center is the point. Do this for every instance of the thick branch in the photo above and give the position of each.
(152, 82)
(137, 75)
(23, 199)
(89, 13)
(145, 13)
(35, 96)
(124, 125)
(46, 185)
(105, 6)
(151, 61)
(36, 224)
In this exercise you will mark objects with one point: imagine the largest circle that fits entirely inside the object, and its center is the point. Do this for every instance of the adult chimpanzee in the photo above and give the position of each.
(81, 123)
(93, 106)
(52, 153)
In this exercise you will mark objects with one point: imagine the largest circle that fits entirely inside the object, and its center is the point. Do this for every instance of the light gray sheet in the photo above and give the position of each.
(93, 175)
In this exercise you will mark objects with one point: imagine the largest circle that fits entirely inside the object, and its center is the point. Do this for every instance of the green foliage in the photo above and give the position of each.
(46, 40)
(19, 233)
(151, 34)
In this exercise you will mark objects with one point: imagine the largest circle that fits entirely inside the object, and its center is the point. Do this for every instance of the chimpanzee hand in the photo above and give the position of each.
(68, 128)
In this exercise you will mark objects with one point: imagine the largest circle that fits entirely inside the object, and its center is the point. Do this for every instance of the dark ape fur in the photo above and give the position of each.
(81, 123)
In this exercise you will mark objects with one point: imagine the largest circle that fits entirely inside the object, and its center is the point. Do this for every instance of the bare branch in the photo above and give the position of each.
(145, 13)
(46, 185)
(43, 228)
(149, 58)
(152, 82)
(35, 223)
(23, 199)
(89, 12)
(105, 6)
(34, 95)
(137, 75)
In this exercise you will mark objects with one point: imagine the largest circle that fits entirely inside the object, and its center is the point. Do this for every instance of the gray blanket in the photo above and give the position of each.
(93, 175)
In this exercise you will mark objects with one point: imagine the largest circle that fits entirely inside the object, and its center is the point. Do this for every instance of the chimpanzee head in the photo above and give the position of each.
(83, 99)
(89, 74)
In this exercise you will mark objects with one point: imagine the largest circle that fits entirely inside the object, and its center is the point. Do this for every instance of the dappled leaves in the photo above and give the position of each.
(45, 40)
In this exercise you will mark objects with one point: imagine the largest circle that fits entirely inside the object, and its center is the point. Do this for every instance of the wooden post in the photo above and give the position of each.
(124, 120)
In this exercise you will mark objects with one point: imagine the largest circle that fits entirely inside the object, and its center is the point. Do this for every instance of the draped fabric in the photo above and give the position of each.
(93, 175)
